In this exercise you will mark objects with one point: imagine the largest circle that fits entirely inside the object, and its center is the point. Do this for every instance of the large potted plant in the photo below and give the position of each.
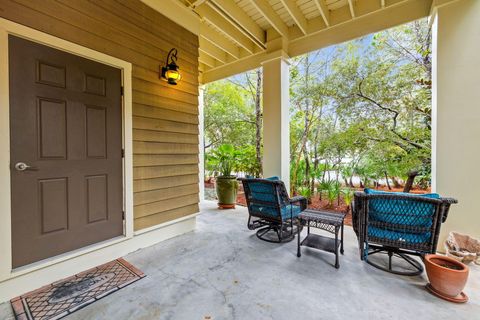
(447, 277)
(226, 185)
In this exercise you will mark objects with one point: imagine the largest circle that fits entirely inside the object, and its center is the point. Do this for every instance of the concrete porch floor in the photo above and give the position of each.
(222, 271)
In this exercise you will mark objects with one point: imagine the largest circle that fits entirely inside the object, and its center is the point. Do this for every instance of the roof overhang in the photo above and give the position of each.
(238, 35)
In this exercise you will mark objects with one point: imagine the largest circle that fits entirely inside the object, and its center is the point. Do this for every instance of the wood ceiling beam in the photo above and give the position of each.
(382, 3)
(212, 50)
(324, 12)
(207, 60)
(373, 19)
(212, 16)
(202, 67)
(196, 3)
(230, 10)
(296, 14)
(272, 17)
(221, 42)
(352, 9)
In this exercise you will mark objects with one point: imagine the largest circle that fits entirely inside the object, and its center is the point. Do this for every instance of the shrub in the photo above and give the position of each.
(306, 192)
(348, 197)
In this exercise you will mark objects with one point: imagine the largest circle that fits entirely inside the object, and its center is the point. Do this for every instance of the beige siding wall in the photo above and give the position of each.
(165, 118)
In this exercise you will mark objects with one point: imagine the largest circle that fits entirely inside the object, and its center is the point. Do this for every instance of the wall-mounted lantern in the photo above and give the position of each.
(170, 71)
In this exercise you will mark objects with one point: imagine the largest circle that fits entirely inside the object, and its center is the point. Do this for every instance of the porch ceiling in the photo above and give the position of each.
(238, 35)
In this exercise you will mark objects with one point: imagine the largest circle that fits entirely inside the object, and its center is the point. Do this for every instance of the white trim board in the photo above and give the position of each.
(7, 28)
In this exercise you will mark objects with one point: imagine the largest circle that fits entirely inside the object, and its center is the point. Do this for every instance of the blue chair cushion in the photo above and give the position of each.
(271, 211)
(427, 195)
(266, 193)
(403, 212)
(407, 237)
(274, 178)
(263, 192)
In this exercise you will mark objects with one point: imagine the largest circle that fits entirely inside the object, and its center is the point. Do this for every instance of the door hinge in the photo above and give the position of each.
(123, 153)
(121, 90)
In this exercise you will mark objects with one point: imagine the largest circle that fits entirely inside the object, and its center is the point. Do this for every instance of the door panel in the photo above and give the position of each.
(96, 131)
(53, 196)
(66, 124)
(52, 128)
(97, 198)
(51, 75)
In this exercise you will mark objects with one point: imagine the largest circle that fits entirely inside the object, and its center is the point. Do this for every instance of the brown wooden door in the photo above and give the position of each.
(66, 124)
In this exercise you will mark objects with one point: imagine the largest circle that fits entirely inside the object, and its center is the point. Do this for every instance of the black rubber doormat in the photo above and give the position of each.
(59, 299)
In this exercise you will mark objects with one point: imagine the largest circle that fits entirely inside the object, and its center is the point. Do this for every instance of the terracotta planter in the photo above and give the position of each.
(447, 277)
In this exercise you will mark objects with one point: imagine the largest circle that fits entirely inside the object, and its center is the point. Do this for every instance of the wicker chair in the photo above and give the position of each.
(399, 225)
(270, 209)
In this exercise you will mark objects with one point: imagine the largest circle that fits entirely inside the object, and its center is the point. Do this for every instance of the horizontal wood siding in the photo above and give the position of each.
(165, 118)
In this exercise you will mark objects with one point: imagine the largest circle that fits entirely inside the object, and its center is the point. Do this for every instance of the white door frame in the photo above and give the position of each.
(8, 27)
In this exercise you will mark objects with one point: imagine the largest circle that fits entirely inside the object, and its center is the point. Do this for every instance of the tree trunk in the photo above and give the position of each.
(312, 185)
(306, 129)
(361, 184)
(258, 123)
(337, 177)
(351, 182)
(315, 161)
(409, 184)
(388, 182)
(307, 167)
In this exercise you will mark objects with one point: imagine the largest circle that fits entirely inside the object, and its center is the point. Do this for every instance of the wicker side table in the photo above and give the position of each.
(331, 222)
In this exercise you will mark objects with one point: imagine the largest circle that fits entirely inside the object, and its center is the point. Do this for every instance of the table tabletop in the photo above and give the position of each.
(331, 218)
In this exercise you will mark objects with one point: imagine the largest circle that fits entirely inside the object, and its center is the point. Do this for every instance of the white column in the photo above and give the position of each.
(201, 150)
(456, 113)
(276, 119)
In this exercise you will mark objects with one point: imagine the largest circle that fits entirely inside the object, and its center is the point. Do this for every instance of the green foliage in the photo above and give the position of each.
(228, 115)
(299, 173)
(324, 186)
(306, 192)
(230, 118)
(361, 108)
(368, 105)
(223, 159)
(245, 163)
(348, 194)
(333, 192)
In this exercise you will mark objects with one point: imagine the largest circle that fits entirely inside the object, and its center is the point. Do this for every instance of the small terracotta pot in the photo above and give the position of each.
(447, 277)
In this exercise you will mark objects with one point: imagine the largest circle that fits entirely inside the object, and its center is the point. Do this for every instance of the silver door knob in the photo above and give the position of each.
(21, 166)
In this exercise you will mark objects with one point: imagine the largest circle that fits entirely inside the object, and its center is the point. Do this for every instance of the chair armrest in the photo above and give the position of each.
(446, 207)
(300, 199)
(358, 210)
(450, 200)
